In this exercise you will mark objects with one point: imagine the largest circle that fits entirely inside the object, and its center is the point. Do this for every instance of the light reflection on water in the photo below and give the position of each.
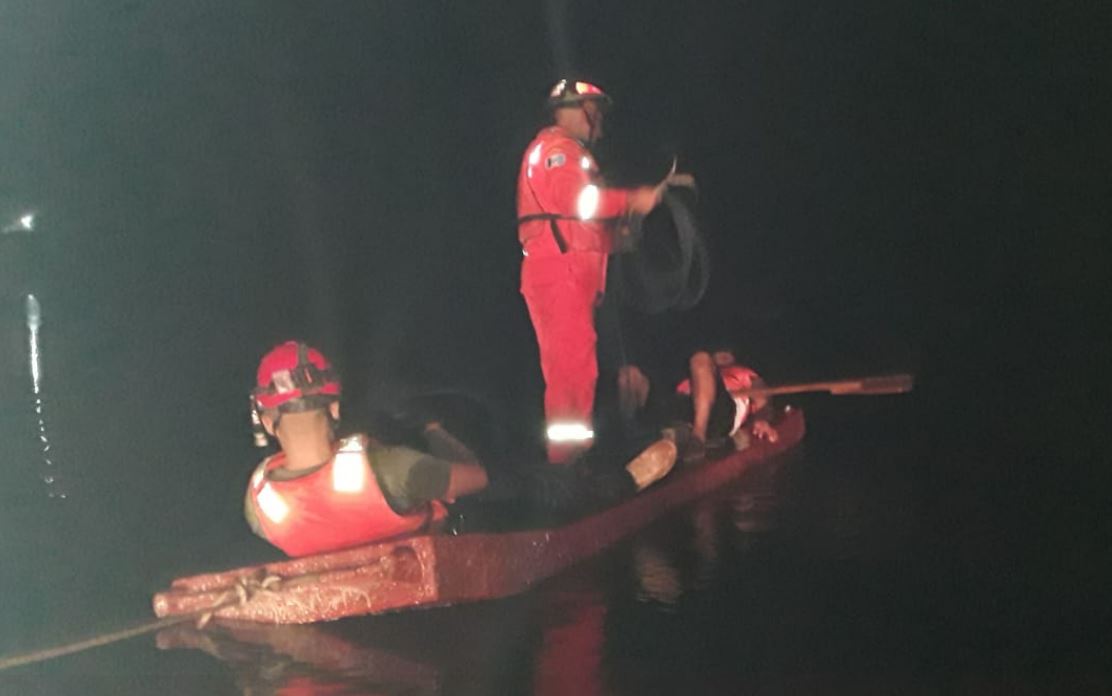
(55, 487)
(303, 659)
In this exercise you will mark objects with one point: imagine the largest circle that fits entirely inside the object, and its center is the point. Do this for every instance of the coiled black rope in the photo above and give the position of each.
(669, 265)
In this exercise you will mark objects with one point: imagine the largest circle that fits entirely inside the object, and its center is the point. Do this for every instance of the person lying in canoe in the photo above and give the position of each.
(708, 401)
(323, 494)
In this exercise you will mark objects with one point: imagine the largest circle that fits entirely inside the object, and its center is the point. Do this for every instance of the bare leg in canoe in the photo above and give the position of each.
(708, 409)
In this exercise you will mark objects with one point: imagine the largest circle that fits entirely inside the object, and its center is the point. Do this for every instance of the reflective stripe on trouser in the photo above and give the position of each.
(563, 316)
(566, 439)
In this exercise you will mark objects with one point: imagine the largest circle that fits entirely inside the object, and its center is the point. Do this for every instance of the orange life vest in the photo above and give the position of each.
(334, 507)
(736, 378)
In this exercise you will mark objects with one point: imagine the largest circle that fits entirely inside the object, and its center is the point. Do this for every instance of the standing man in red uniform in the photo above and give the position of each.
(567, 224)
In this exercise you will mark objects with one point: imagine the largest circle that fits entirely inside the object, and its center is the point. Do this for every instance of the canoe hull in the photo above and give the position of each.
(437, 570)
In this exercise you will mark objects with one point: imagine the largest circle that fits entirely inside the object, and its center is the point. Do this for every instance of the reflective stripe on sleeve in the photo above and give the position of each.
(587, 203)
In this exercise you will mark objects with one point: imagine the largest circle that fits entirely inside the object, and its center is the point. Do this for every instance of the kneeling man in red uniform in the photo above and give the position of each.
(322, 494)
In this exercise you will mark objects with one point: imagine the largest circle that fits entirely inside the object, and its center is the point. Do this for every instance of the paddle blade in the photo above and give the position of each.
(875, 386)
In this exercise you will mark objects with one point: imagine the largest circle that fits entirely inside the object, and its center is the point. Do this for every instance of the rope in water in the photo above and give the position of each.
(242, 592)
(96, 642)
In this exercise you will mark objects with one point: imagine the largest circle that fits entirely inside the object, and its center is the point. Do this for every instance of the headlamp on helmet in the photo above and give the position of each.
(294, 377)
(574, 93)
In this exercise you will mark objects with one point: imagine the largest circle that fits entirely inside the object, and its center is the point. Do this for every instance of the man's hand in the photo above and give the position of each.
(763, 430)
(684, 180)
(633, 390)
(643, 199)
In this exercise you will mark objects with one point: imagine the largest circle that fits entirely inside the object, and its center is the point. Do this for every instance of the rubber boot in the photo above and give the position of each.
(653, 463)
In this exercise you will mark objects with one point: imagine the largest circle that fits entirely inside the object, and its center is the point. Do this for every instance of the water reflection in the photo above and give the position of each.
(302, 660)
(658, 576)
(49, 473)
(573, 622)
(755, 507)
(692, 545)
(706, 544)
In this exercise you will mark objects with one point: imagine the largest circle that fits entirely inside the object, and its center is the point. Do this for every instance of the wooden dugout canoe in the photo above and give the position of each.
(439, 570)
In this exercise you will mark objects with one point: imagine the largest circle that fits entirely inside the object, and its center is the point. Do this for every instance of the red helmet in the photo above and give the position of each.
(294, 377)
(572, 93)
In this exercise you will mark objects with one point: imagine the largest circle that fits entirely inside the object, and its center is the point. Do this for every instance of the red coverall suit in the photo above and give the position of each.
(565, 221)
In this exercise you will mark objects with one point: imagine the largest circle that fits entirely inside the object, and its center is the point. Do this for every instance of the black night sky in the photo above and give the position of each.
(883, 186)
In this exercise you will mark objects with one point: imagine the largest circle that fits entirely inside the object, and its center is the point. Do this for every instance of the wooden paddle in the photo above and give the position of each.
(861, 386)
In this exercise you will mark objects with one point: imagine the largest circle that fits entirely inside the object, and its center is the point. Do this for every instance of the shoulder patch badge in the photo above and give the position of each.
(555, 160)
